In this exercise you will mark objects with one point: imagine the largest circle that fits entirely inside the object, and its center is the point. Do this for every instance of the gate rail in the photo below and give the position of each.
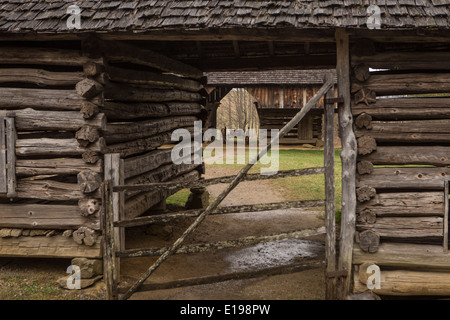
(111, 222)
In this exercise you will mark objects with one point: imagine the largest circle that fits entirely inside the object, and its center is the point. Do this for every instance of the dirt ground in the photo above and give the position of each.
(305, 285)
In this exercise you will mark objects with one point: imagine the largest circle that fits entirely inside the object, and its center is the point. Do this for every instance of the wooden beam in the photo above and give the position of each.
(11, 137)
(348, 158)
(40, 98)
(45, 56)
(40, 77)
(118, 52)
(410, 155)
(3, 167)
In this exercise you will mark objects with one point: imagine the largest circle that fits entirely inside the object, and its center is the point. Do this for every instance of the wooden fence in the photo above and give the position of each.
(113, 193)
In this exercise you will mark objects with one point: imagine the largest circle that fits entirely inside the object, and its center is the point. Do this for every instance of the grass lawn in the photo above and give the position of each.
(295, 188)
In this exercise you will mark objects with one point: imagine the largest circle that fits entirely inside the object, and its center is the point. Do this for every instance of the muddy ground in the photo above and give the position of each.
(305, 285)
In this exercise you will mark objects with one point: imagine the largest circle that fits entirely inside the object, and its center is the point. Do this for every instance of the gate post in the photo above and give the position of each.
(114, 171)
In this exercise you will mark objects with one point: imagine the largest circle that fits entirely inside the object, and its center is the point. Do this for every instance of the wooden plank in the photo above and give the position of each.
(405, 60)
(64, 166)
(30, 119)
(128, 131)
(45, 56)
(125, 92)
(11, 137)
(48, 247)
(114, 172)
(408, 83)
(406, 228)
(404, 204)
(413, 178)
(305, 128)
(118, 52)
(409, 155)
(406, 108)
(40, 77)
(55, 147)
(41, 216)
(446, 213)
(3, 185)
(109, 245)
(50, 190)
(130, 111)
(40, 99)
(330, 219)
(146, 77)
(405, 255)
(348, 158)
(143, 163)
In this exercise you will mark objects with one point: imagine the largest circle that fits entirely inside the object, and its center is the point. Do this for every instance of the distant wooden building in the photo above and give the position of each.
(280, 94)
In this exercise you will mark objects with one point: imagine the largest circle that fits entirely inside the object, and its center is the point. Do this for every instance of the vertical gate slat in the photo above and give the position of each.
(11, 156)
(3, 185)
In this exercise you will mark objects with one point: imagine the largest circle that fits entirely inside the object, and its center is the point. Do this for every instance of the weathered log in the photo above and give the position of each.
(406, 228)
(55, 147)
(361, 72)
(92, 68)
(40, 77)
(420, 178)
(366, 145)
(124, 92)
(49, 190)
(143, 163)
(410, 108)
(89, 110)
(141, 145)
(119, 52)
(84, 235)
(410, 155)
(366, 216)
(247, 241)
(369, 241)
(88, 88)
(407, 83)
(405, 255)
(151, 78)
(130, 111)
(89, 181)
(89, 207)
(364, 120)
(365, 193)
(409, 132)
(42, 56)
(364, 167)
(399, 60)
(142, 202)
(29, 119)
(365, 96)
(65, 166)
(121, 132)
(409, 283)
(91, 157)
(404, 204)
(87, 135)
(40, 99)
(32, 216)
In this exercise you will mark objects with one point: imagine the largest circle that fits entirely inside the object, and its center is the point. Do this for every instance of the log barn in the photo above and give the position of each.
(96, 100)
(280, 94)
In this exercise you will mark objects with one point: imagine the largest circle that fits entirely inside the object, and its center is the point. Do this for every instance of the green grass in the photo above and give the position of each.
(295, 188)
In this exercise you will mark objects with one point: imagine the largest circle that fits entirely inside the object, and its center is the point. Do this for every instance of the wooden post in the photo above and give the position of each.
(109, 252)
(348, 157)
(11, 155)
(3, 185)
(330, 242)
(114, 171)
(446, 209)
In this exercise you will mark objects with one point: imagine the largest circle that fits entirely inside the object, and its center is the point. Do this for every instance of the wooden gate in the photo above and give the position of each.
(114, 224)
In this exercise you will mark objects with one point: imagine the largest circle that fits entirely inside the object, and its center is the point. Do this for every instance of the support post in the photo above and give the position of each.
(348, 157)
(446, 212)
(114, 171)
(330, 241)
(109, 252)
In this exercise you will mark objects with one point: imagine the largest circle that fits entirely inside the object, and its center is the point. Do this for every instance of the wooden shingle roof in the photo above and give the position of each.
(147, 15)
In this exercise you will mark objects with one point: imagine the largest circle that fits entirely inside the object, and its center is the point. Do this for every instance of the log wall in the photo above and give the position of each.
(74, 102)
(402, 121)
